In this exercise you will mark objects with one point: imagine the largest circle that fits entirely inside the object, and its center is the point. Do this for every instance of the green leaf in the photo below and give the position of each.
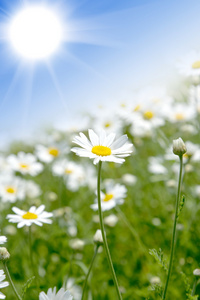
(27, 286)
(158, 255)
(188, 288)
(158, 289)
(181, 204)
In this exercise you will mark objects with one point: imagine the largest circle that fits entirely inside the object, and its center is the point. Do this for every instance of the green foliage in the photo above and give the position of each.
(181, 204)
(159, 257)
(26, 286)
(145, 223)
(188, 289)
(158, 289)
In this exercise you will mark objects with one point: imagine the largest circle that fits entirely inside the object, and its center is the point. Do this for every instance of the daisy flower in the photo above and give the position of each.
(32, 189)
(52, 295)
(102, 147)
(3, 239)
(47, 154)
(105, 121)
(33, 216)
(12, 188)
(73, 174)
(25, 163)
(156, 165)
(189, 65)
(179, 112)
(115, 194)
(74, 289)
(2, 284)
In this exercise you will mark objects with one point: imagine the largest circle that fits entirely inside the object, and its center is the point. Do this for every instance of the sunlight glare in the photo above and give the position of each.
(35, 32)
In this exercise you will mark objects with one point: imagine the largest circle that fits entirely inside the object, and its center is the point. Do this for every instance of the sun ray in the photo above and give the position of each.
(58, 89)
(12, 85)
(27, 98)
(76, 60)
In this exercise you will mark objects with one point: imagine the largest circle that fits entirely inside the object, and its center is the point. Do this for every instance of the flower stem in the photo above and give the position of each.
(103, 232)
(10, 280)
(89, 270)
(194, 287)
(31, 257)
(174, 228)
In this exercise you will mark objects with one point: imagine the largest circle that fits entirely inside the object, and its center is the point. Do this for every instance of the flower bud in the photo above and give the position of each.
(4, 254)
(179, 147)
(77, 244)
(196, 272)
(98, 239)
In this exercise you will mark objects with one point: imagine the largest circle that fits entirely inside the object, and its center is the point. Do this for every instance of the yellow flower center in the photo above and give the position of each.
(137, 107)
(123, 105)
(108, 197)
(179, 116)
(107, 124)
(101, 150)
(53, 151)
(10, 190)
(68, 171)
(148, 115)
(24, 166)
(29, 216)
(196, 65)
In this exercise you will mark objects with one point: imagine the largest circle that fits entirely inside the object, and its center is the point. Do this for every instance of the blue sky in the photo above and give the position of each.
(114, 48)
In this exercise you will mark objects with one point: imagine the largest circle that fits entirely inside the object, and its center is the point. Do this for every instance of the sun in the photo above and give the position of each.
(35, 32)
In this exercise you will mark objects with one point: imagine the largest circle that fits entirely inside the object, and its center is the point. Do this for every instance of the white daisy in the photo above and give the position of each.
(102, 147)
(180, 112)
(115, 194)
(33, 216)
(74, 289)
(189, 65)
(32, 189)
(47, 154)
(25, 163)
(2, 284)
(4, 166)
(52, 295)
(155, 165)
(103, 120)
(12, 188)
(73, 174)
(3, 239)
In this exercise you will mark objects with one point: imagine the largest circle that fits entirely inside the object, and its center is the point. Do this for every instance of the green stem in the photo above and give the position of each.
(133, 231)
(103, 232)
(31, 258)
(89, 270)
(10, 280)
(194, 287)
(174, 228)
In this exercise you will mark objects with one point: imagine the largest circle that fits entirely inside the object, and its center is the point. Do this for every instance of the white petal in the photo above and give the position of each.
(93, 137)
(40, 209)
(119, 142)
(18, 211)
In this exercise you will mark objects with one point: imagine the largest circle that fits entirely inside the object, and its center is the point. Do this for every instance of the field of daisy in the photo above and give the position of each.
(94, 211)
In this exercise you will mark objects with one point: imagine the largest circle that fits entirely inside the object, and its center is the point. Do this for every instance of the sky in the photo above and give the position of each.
(110, 48)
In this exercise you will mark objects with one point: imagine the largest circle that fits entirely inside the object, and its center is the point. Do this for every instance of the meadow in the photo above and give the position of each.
(138, 221)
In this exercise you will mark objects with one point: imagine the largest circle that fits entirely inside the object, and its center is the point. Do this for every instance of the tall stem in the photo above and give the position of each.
(89, 270)
(31, 258)
(174, 228)
(103, 232)
(10, 280)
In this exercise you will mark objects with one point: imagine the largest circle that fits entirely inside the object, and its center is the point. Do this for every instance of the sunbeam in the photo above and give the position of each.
(12, 84)
(58, 89)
